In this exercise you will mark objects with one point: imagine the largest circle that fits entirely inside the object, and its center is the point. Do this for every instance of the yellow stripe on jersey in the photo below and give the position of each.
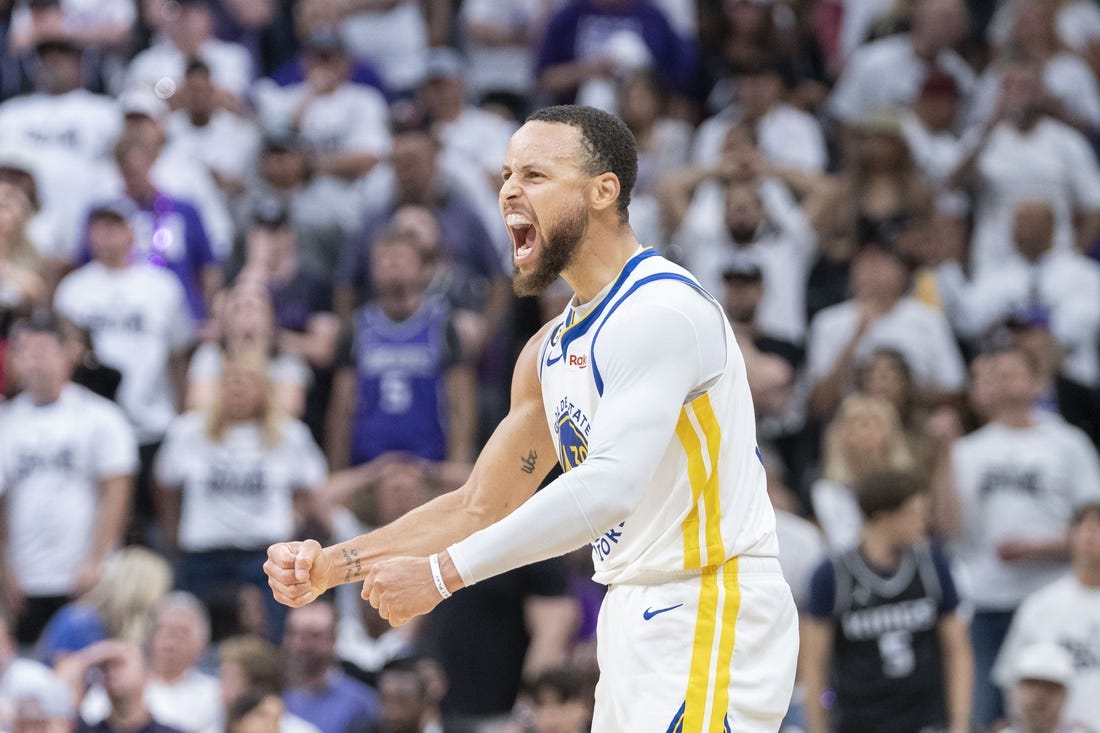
(701, 652)
(712, 432)
(731, 607)
(697, 476)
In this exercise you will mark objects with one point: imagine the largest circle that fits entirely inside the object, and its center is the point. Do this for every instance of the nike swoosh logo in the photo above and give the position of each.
(648, 613)
(555, 360)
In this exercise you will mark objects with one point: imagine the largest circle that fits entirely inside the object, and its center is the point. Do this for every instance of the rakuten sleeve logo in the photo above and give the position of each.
(578, 360)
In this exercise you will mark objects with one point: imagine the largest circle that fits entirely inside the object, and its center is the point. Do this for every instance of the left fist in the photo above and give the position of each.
(401, 588)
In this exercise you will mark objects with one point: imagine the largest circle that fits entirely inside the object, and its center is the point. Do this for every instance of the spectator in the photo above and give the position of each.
(312, 19)
(884, 628)
(587, 42)
(68, 461)
(231, 479)
(252, 666)
(137, 315)
(887, 73)
(43, 706)
(878, 315)
(759, 219)
(118, 606)
(18, 673)
(123, 669)
(97, 25)
(404, 383)
(788, 136)
(394, 35)
(1070, 91)
(22, 284)
(255, 711)
(405, 700)
(559, 705)
(1041, 676)
(204, 129)
(1024, 155)
(341, 124)
(929, 130)
(1036, 277)
(1077, 23)
(501, 36)
(663, 143)
(1012, 489)
(71, 132)
(183, 31)
(246, 322)
(420, 178)
(864, 436)
(1064, 613)
(317, 690)
(168, 231)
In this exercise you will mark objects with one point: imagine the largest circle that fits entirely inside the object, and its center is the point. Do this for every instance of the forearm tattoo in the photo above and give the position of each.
(527, 465)
(353, 563)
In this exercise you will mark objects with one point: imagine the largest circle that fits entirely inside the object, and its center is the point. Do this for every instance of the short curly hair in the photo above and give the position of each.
(609, 145)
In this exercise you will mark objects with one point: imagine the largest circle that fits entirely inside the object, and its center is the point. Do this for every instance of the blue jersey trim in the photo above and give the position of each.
(576, 330)
(648, 279)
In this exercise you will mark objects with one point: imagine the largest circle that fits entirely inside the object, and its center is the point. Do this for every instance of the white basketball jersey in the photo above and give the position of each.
(707, 501)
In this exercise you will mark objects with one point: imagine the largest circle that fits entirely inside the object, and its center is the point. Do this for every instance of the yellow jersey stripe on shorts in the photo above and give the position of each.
(701, 652)
(731, 607)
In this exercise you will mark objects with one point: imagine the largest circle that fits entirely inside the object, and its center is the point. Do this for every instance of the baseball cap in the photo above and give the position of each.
(1045, 661)
(742, 268)
(42, 697)
(143, 102)
(270, 213)
(121, 209)
(445, 63)
(939, 83)
(58, 44)
(325, 41)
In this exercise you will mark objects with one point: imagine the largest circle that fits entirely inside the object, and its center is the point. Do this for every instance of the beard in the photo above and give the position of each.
(558, 250)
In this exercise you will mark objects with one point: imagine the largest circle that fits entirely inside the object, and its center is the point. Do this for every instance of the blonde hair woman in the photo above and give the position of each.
(119, 606)
(865, 435)
(233, 479)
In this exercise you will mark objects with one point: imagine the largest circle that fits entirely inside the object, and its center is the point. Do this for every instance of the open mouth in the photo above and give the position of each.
(524, 237)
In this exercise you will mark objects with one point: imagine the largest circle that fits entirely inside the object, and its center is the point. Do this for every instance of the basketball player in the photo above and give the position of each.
(638, 389)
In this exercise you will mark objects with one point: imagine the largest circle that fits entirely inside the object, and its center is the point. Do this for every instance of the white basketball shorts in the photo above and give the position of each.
(706, 654)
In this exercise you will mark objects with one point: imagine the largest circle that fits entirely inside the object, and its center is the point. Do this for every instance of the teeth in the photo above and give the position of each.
(517, 221)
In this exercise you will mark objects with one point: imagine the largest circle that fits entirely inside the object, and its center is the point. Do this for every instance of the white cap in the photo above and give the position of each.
(1044, 661)
(42, 697)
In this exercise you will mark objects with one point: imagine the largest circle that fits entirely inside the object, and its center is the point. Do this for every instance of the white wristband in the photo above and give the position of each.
(437, 576)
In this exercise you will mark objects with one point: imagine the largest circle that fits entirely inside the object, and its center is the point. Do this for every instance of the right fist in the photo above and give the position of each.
(297, 572)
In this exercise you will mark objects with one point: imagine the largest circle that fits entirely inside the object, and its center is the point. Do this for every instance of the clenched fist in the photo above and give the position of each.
(297, 572)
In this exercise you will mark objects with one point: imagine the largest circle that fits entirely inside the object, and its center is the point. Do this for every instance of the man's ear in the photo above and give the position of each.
(604, 191)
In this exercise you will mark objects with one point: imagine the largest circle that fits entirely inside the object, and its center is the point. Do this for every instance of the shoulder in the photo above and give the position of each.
(886, 49)
(89, 404)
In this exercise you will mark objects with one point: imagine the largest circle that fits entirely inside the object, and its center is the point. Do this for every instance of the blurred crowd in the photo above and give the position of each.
(254, 287)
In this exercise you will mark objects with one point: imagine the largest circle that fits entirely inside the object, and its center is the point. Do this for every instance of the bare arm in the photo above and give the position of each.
(345, 165)
(507, 473)
(675, 192)
(462, 405)
(1087, 226)
(10, 590)
(814, 653)
(177, 376)
(169, 506)
(341, 406)
(551, 622)
(318, 344)
(115, 493)
(958, 670)
(947, 510)
(566, 77)
(827, 394)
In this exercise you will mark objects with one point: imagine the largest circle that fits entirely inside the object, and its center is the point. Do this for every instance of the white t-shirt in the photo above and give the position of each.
(887, 74)
(1065, 75)
(353, 119)
(787, 135)
(1018, 484)
(395, 41)
(1053, 162)
(52, 458)
(138, 318)
(511, 67)
(837, 513)
(191, 704)
(77, 123)
(206, 364)
(230, 65)
(228, 144)
(1068, 614)
(920, 333)
(801, 548)
(482, 137)
(1063, 281)
(784, 250)
(237, 493)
